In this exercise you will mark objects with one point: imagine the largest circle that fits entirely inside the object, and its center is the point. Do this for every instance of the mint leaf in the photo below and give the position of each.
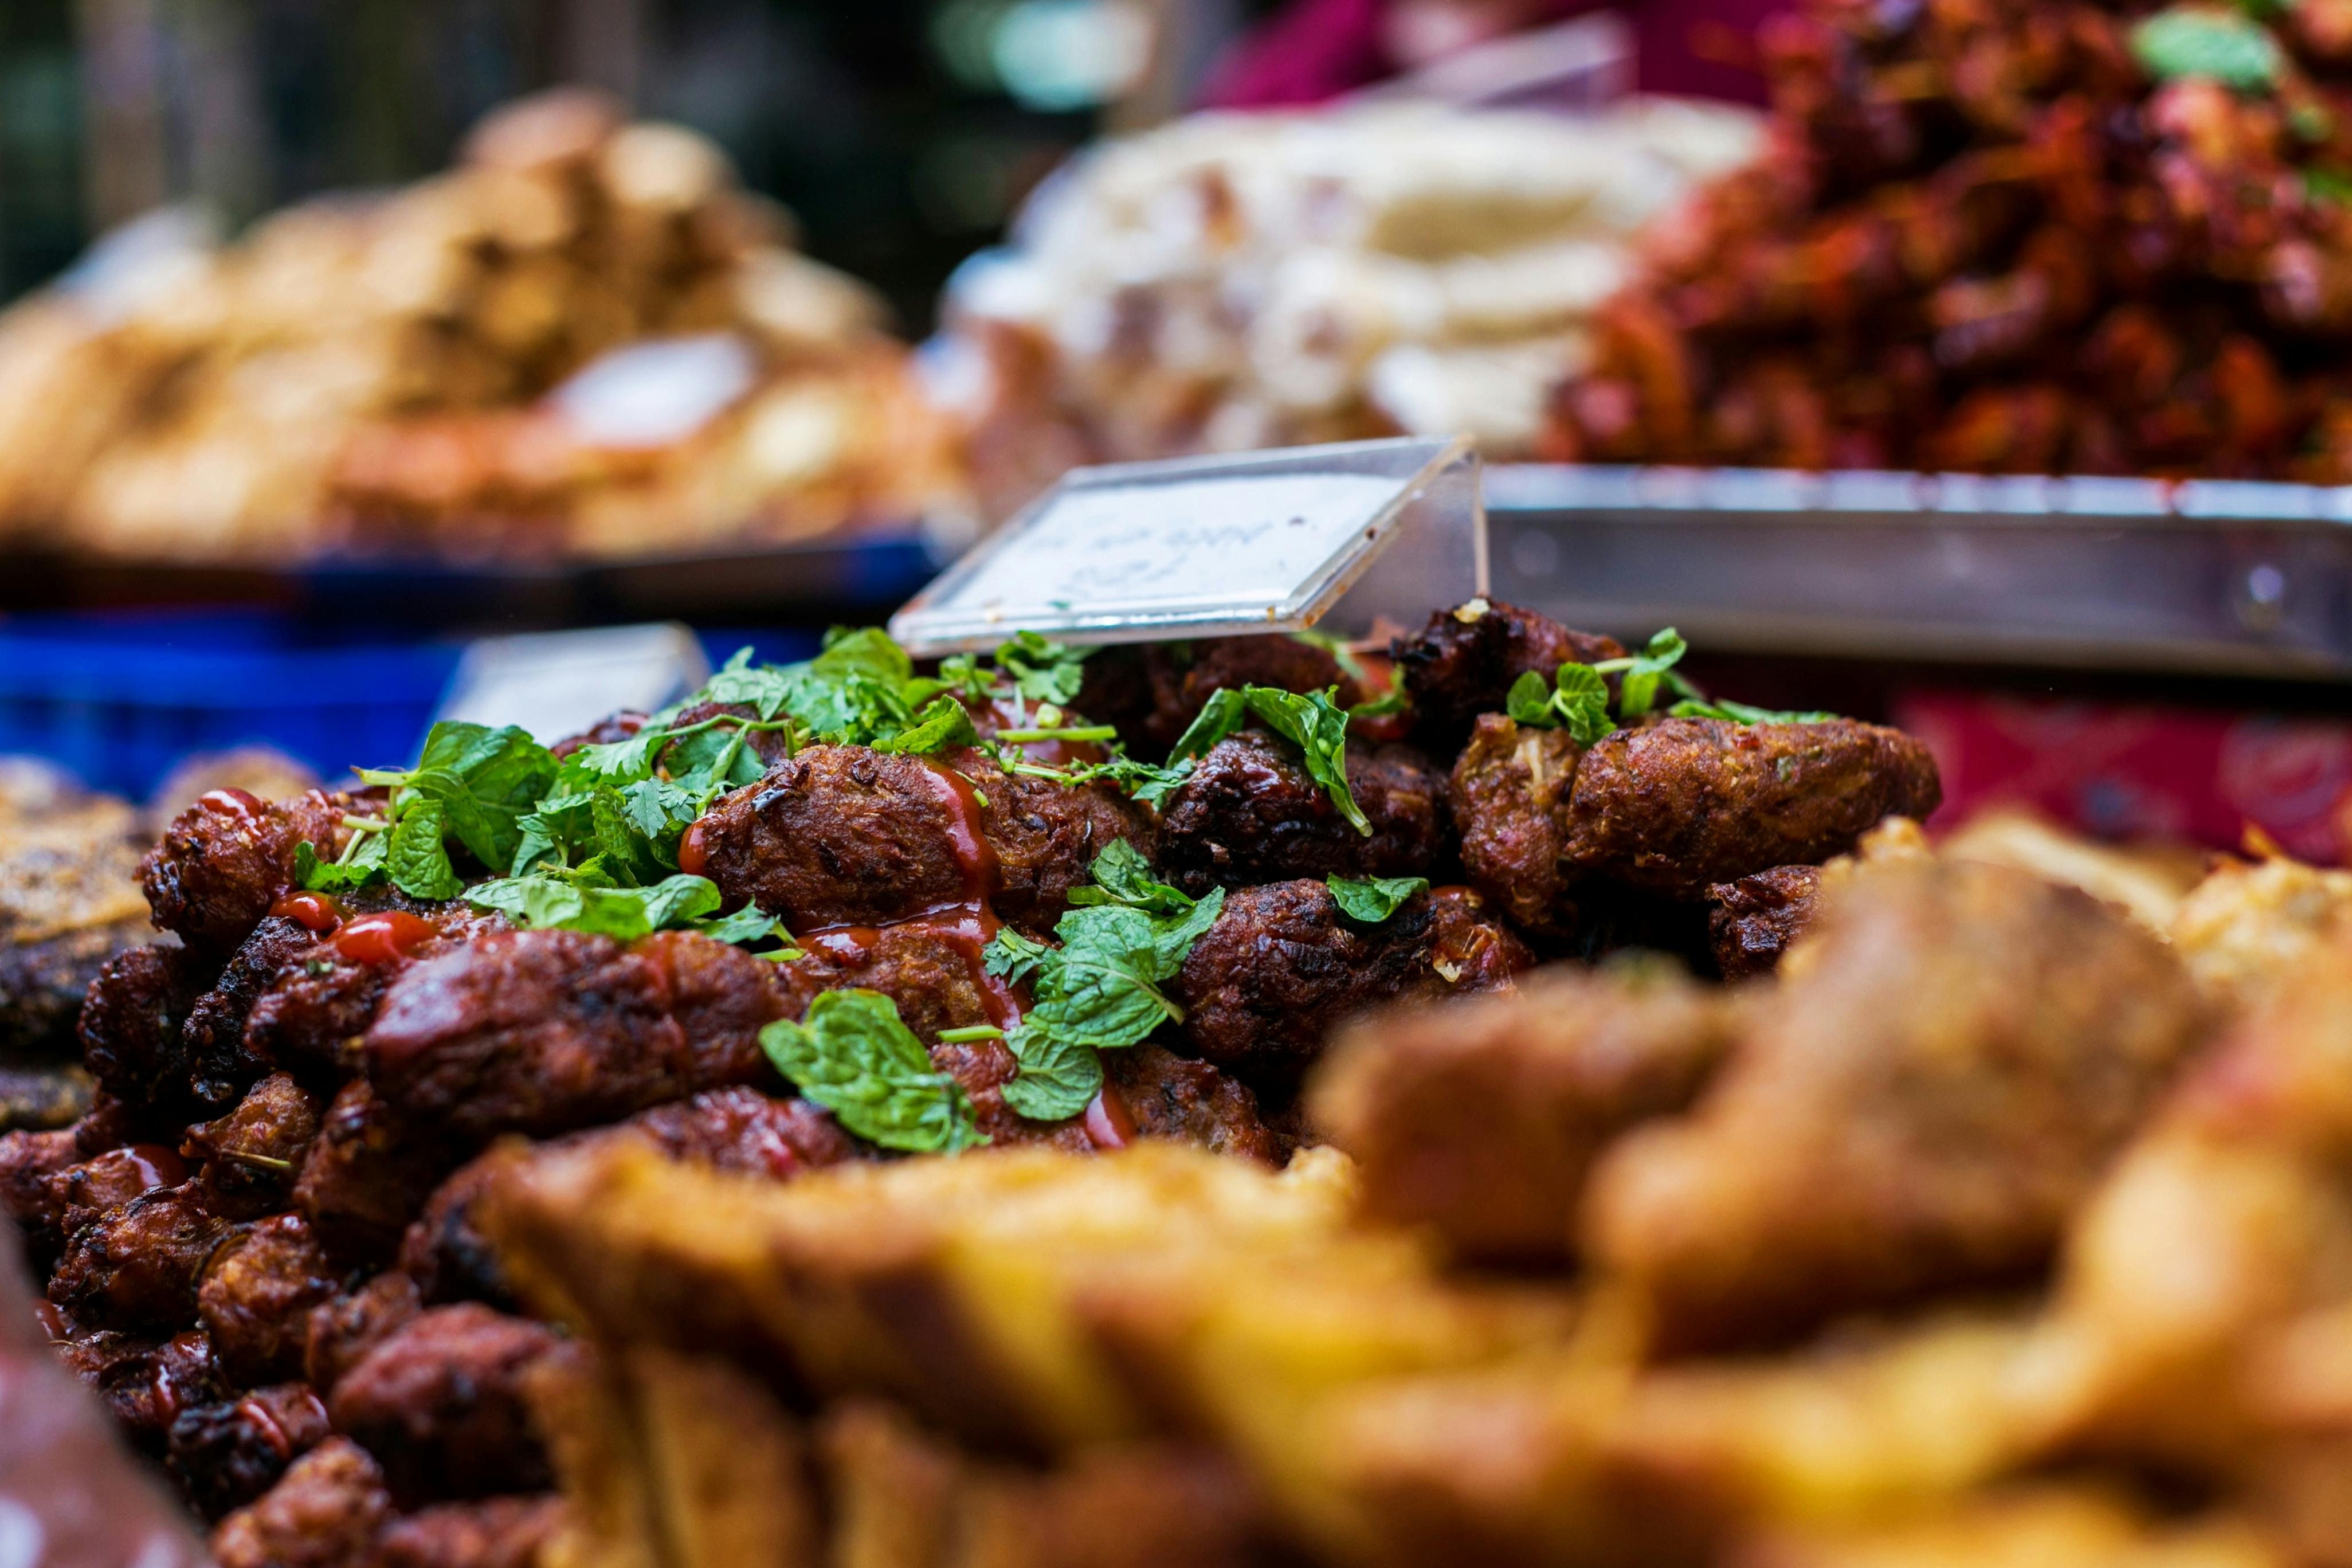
(2225, 46)
(1529, 701)
(486, 780)
(853, 1055)
(745, 926)
(1041, 670)
(318, 875)
(1059, 1077)
(945, 723)
(1317, 726)
(416, 860)
(1373, 900)
(623, 914)
(1226, 711)
(1638, 688)
(1745, 714)
(1583, 702)
(1122, 876)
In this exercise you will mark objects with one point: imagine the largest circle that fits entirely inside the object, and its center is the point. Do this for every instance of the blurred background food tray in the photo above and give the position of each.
(837, 578)
(2205, 578)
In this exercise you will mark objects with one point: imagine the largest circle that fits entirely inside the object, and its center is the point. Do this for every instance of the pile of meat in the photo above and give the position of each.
(261, 1245)
(2009, 236)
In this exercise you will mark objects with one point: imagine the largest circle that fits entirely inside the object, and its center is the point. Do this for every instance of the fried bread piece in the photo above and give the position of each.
(1922, 1108)
(2048, 1527)
(1480, 1118)
(1283, 967)
(1250, 814)
(2245, 927)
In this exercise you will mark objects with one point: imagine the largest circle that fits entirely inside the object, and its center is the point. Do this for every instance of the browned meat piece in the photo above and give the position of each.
(80, 1194)
(252, 1155)
(1249, 814)
(257, 1295)
(226, 859)
(440, 1403)
(1166, 1096)
(447, 1257)
(324, 1513)
(1463, 662)
(137, 1266)
(497, 1532)
(223, 1456)
(212, 1041)
(130, 1027)
(1481, 1117)
(603, 732)
(1044, 836)
(1471, 950)
(933, 969)
(1153, 693)
(311, 1022)
(543, 1031)
(1676, 805)
(1755, 918)
(1509, 800)
(1282, 967)
(27, 1161)
(1920, 1110)
(844, 836)
(145, 1383)
(1672, 807)
(344, 1330)
(367, 1173)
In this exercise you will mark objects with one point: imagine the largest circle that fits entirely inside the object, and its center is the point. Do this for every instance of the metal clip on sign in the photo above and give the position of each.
(1337, 537)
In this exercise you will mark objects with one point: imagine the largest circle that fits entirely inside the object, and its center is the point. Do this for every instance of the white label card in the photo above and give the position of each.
(1266, 541)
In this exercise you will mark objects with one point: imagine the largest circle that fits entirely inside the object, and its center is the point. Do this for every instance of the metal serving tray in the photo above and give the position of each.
(2209, 577)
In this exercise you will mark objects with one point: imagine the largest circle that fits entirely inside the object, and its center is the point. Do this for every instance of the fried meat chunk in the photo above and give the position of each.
(311, 1022)
(1672, 806)
(1922, 1108)
(1166, 1096)
(342, 1331)
(1462, 664)
(324, 1513)
(137, 1266)
(132, 1022)
(1153, 693)
(1250, 814)
(225, 1455)
(144, 1383)
(543, 1031)
(1509, 798)
(368, 1172)
(256, 1297)
(81, 1193)
(842, 835)
(27, 1163)
(1282, 966)
(1676, 805)
(440, 1403)
(252, 1155)
(1751, 921)
(226, 859)
(219, 1066)
(1481, 1117)
(496, 1532)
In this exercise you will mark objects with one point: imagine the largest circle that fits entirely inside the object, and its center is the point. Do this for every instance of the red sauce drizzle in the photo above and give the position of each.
(694, 850)
(1009, 714)
(234, 803)
(382, 938)
(1109, 1124)
(976, 857)
(157, 1166)
(316, 911)
(969, 932)
(1380, 680)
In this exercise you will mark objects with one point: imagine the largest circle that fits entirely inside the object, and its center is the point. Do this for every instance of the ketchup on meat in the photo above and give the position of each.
(316, 911)
(381, 938)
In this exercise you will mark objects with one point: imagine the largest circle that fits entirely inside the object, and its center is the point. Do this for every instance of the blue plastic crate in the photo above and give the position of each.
(120, 697)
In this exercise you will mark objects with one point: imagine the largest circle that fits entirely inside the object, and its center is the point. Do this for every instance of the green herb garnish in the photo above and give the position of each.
(1313, 722)
(2223, 46)
(853, 1055)
(1372, 900)
(1100, 990)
